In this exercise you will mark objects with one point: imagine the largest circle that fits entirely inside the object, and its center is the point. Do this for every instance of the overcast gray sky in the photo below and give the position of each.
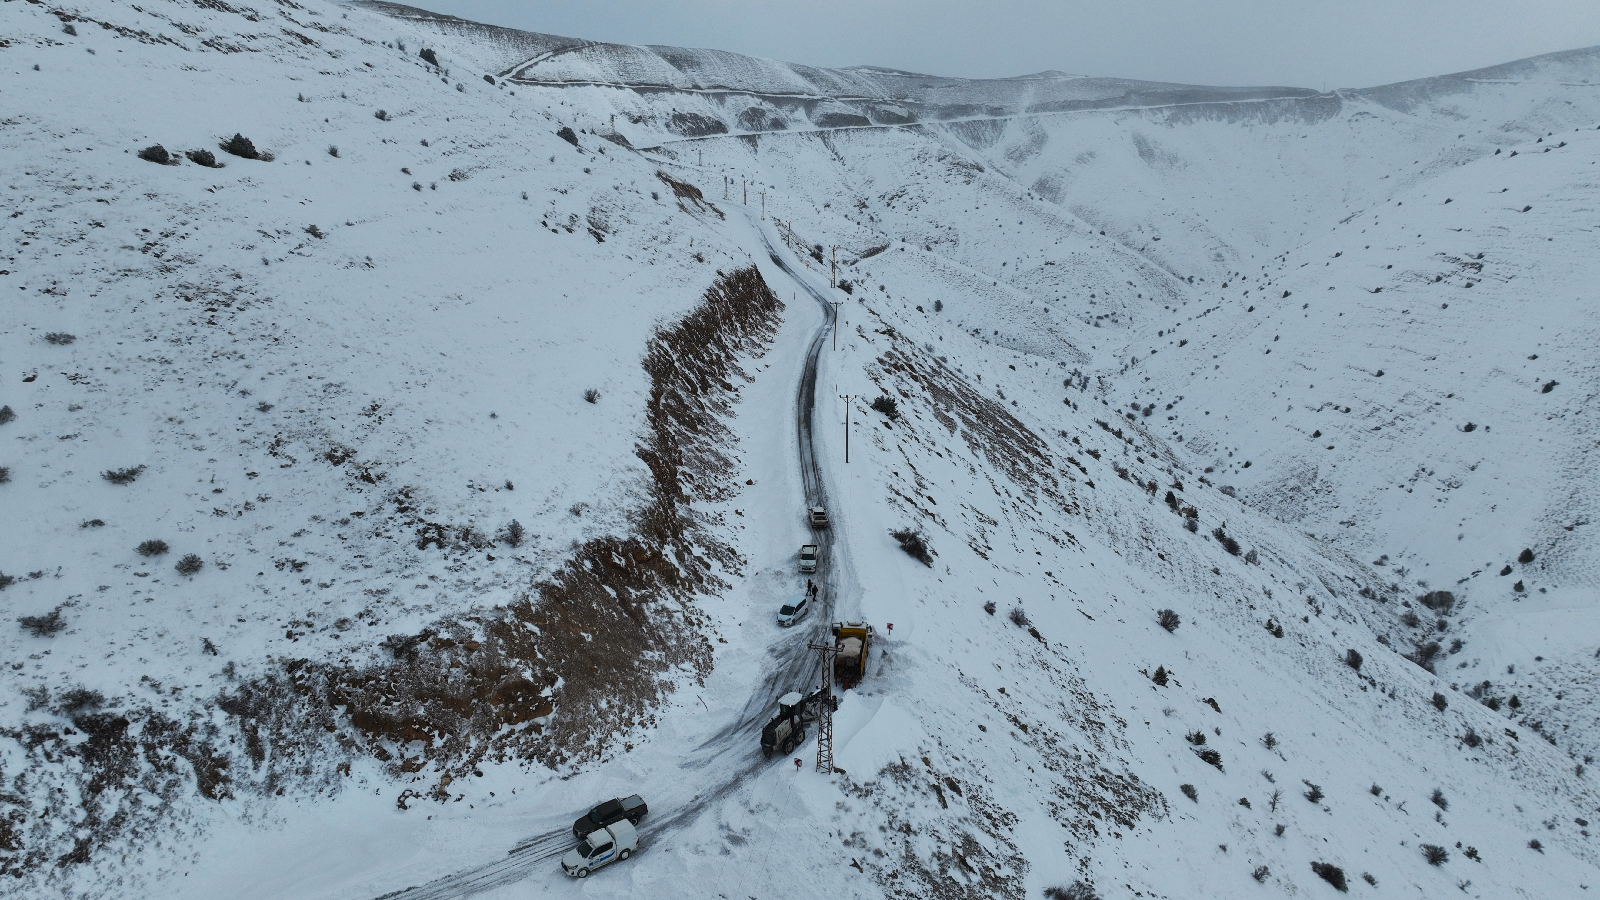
(1340, 43)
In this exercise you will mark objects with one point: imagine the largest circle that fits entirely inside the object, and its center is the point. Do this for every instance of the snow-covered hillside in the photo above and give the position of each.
(479, 422)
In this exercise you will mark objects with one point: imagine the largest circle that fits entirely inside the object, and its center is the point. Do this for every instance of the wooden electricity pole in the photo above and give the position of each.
(846, 398)
(825, 708)
(833, 268)
(745, 183)
(836, 304)
(763, 204)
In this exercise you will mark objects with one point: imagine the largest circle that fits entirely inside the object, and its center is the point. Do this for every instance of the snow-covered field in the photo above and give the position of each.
(1284, 363)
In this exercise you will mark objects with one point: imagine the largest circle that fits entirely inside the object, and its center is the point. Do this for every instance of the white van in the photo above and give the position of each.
(615, 841)
(794, 610)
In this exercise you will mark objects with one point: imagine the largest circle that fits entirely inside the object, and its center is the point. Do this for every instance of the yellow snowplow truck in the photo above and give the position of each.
(853, 639)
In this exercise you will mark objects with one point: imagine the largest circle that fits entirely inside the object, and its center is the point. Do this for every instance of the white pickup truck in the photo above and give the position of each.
(808, 558)
(611, 843)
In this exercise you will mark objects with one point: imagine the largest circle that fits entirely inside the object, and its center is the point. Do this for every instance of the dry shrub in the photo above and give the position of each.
(48, 625)
(241, 146)
(1332, 874)
(914, 544)
(122, 476)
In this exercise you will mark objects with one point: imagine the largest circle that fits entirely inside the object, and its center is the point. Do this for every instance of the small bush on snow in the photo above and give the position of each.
(190, 564)
(80, 699)
(1226, 540)
(122, 476)
(1435, 854)
(513, 534)
(915, 545)
(1332, 874)
(1168, 619)
(47, 625)
(1076, 891)
(241, 146)
(152, 547)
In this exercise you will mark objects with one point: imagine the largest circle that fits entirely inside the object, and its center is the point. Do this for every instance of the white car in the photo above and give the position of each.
(794, 610)
(611, 843)
(808, 558)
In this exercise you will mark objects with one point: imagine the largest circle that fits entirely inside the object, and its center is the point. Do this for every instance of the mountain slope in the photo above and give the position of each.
(338, 377)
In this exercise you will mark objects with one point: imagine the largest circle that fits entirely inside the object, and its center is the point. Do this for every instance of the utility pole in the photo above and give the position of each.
(833, 268)
(746, 184)
(763, 204)
(846, 398)
(835, 304)
(725, 181)
(825, 708)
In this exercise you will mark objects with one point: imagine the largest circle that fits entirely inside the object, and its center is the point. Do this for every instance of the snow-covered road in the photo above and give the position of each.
(733, 749)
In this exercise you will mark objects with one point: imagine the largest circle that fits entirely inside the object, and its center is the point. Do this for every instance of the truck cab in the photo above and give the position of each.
(607, 845)
(808, 558)
(817, 516)
(788, 728)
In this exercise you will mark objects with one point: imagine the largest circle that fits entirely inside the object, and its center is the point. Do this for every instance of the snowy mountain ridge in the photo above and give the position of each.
(481, 425)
